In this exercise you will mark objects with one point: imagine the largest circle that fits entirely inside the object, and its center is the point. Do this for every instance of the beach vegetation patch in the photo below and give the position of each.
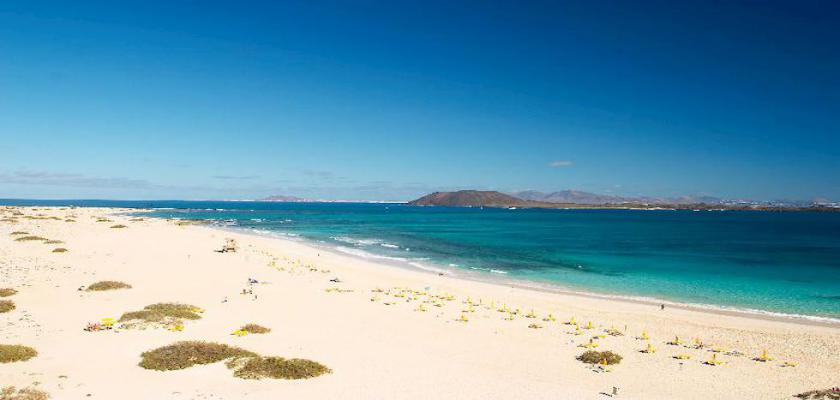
(107, 285)
(276, 367)
(100, 219)
(254, 328)
(6, 306)
(169, 315)
(145, 315)
(599, 357)
(30, 238)
(15, 352)
(53, 242)
(11, 393)
(60, 250)
(176, 310)
(244, 363)
(825, 394)
(187, 354)
(6, 292)
(118, 226)
(185, 222)
(19, 233)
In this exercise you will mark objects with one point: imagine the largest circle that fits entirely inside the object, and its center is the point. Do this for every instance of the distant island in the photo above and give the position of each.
(583, 200)
(285, 199)
(472, 198)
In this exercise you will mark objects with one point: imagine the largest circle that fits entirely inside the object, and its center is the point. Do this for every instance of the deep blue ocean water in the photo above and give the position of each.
(774, 262)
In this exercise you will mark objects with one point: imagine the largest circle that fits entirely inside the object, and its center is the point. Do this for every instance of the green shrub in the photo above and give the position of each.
(10, 393)
(254, 328)
(107, 285)
(245, 364)
(825, 394)
(176, 310)
(161, 311)
(598, 357)
(276, 367)
(145, 315)
(6, 306)
(186, 354)
(15, 352)
(29, 238)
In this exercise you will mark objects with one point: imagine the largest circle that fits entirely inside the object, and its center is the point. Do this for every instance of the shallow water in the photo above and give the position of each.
(774, 262)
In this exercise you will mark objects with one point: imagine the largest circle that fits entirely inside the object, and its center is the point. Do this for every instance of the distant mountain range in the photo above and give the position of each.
(578, 197)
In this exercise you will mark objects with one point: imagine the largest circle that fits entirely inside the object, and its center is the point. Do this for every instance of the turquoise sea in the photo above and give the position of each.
(766, 262)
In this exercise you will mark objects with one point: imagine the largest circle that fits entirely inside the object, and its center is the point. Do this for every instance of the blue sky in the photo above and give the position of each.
(389, 100)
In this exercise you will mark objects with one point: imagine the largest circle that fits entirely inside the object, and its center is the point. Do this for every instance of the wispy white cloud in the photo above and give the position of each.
(236, 177)
(560, 163)
(68, 179)
(74, 180)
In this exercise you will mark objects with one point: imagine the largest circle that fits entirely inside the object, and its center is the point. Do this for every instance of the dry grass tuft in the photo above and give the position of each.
(19, 233)
(598, 357)
(29, 238)
(187, 354)
(15, 352)
(10, 393)
(100, 219)
(176, 310)
(53, 242)
(185, 222)
(107, 285)
(276, 367)
(825, 394)
(163, 313)
(118, 226)
(60, 250)
(145, 315)
(6, 306)
(245, 364)
(137, 219)
(254, 328)
(69, 220)
(6, 292)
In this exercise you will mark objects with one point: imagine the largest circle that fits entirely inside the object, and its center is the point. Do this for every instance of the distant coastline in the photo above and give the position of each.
(494, 199)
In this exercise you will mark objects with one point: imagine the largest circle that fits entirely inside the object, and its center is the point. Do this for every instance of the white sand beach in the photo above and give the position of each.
(405, 349)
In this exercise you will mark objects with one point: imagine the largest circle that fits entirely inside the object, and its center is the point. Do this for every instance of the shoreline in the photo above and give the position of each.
(544, 287)
(417, 334)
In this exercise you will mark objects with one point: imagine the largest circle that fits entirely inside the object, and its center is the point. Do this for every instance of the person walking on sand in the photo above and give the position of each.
(662, 307)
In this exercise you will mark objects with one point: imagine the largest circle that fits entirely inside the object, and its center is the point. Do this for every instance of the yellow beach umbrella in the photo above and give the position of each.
(764, 357)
